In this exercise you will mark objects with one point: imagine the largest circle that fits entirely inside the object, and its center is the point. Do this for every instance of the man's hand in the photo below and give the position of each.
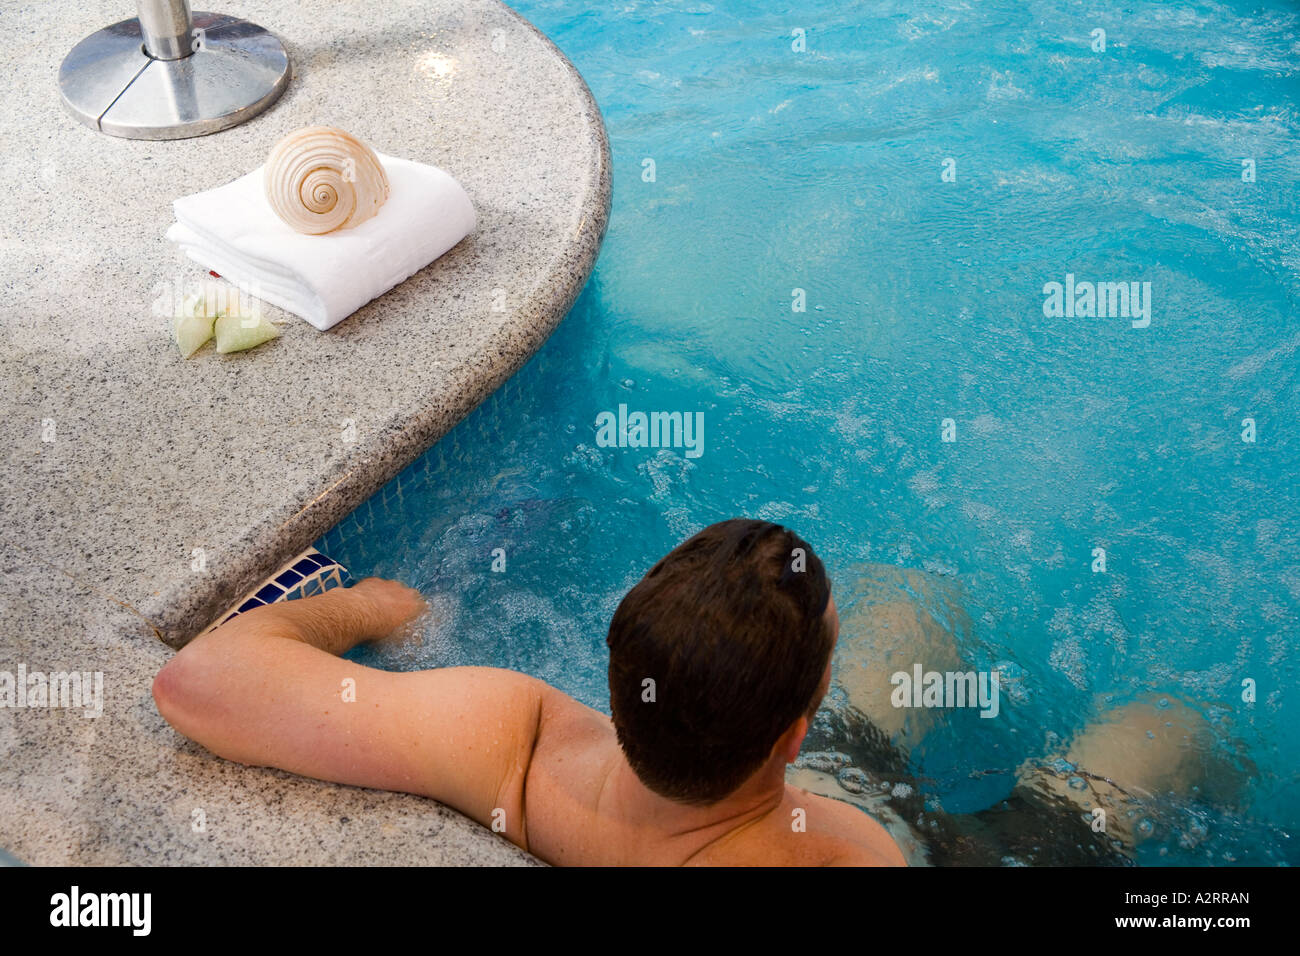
(393, 604)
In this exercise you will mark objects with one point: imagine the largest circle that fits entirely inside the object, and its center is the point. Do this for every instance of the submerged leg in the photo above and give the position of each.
(1117, 770)
(890, 620)
(893, 619)
(1089, 804)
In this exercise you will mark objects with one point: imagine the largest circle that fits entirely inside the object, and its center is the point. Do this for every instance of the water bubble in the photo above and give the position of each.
(1078, 783)
(853, 780)
(1146, 827)
(1061, 765)
(825, 761)
(1012, 680)
(1193, 835)
(1009, 670)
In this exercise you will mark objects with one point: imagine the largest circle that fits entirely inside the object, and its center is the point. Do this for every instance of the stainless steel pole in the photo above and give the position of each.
(167, 28)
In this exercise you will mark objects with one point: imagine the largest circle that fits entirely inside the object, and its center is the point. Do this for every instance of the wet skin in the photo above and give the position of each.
(268, 689)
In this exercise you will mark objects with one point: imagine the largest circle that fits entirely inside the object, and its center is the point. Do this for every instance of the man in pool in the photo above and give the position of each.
(719, 657)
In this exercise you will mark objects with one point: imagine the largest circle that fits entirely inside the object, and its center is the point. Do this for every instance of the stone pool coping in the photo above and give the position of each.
(244, 457)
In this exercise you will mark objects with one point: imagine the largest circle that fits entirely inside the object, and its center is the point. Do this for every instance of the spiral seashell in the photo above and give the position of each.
(319, 179)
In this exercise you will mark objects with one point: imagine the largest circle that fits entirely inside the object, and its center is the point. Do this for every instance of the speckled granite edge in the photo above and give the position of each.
(181, 611)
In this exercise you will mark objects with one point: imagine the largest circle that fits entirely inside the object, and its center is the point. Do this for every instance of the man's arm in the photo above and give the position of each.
(267, 689)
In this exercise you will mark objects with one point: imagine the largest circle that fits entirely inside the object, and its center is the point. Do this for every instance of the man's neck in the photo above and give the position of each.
(691, 828)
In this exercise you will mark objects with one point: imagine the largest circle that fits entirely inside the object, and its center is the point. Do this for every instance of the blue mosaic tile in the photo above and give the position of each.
(288, 579)
(309, 574)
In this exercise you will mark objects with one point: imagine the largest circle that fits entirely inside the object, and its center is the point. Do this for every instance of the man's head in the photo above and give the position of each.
(735, 627)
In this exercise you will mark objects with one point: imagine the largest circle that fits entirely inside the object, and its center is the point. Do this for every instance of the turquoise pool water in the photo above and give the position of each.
(822, 170)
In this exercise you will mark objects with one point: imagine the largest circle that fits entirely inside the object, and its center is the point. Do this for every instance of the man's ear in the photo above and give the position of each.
(788, 744)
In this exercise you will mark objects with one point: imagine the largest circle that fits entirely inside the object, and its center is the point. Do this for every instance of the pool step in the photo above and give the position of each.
(311, 572)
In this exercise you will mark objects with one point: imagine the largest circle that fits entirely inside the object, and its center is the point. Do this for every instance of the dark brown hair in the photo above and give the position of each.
(731, 627)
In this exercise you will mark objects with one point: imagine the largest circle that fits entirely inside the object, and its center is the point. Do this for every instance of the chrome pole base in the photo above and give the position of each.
(236, 71)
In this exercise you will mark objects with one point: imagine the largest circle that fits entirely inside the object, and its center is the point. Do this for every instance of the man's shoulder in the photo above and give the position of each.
(807, 830)
(571, 735)
(842, 834)
(568, 718)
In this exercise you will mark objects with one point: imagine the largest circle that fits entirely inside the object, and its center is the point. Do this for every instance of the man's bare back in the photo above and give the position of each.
(268, 689)
(586, 807)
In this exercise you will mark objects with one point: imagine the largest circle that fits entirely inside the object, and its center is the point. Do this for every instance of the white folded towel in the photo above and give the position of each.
(233, 231)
